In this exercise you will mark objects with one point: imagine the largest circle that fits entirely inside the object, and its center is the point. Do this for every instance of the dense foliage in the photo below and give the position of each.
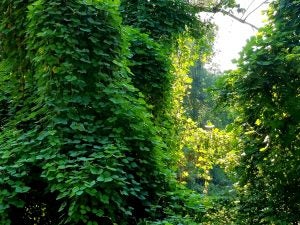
(161, 19)
(265, 89)
(82, 99)
(104, 116)
(150, 68)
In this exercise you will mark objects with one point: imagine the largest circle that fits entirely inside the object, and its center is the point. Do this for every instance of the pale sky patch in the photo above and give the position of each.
(232, 34)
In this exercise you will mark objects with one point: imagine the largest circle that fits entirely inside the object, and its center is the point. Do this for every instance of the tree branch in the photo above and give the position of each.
(238, 19)
(252, 2)
(218, 8)
(255, 9)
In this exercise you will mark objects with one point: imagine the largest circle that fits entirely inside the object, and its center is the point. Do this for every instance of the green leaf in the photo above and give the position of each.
(22, 189)
(104, 198)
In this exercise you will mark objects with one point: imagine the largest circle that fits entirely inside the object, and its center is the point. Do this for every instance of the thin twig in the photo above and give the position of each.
(238, 19)
(248, 8)
(255, 9)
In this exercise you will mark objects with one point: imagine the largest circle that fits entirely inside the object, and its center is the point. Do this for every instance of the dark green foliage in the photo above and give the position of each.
(266, 90)
(179, 206)
(219, 177)
(161, 19)
(14, 66)
(150, 66)
(86, 131)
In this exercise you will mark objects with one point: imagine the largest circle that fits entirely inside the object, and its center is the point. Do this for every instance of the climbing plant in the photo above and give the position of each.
(150, 67)
(265, 89)
(91, 121)
(161, 19)
(83, 143)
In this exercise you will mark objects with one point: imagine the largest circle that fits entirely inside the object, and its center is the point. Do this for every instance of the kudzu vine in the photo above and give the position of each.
(85, 131)
(265, 91)
(85, 95)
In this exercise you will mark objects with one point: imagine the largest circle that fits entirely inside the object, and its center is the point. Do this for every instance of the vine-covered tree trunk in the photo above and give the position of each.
(85, 147)
(83, 101)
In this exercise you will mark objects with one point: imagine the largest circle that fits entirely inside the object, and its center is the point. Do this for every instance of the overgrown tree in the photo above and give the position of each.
(77, 141)
(265, 89)
(81, 147)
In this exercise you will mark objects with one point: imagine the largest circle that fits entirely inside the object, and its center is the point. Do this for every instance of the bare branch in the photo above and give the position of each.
(238, 19)
(255, 9)
(252, 2)
(218, 8)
